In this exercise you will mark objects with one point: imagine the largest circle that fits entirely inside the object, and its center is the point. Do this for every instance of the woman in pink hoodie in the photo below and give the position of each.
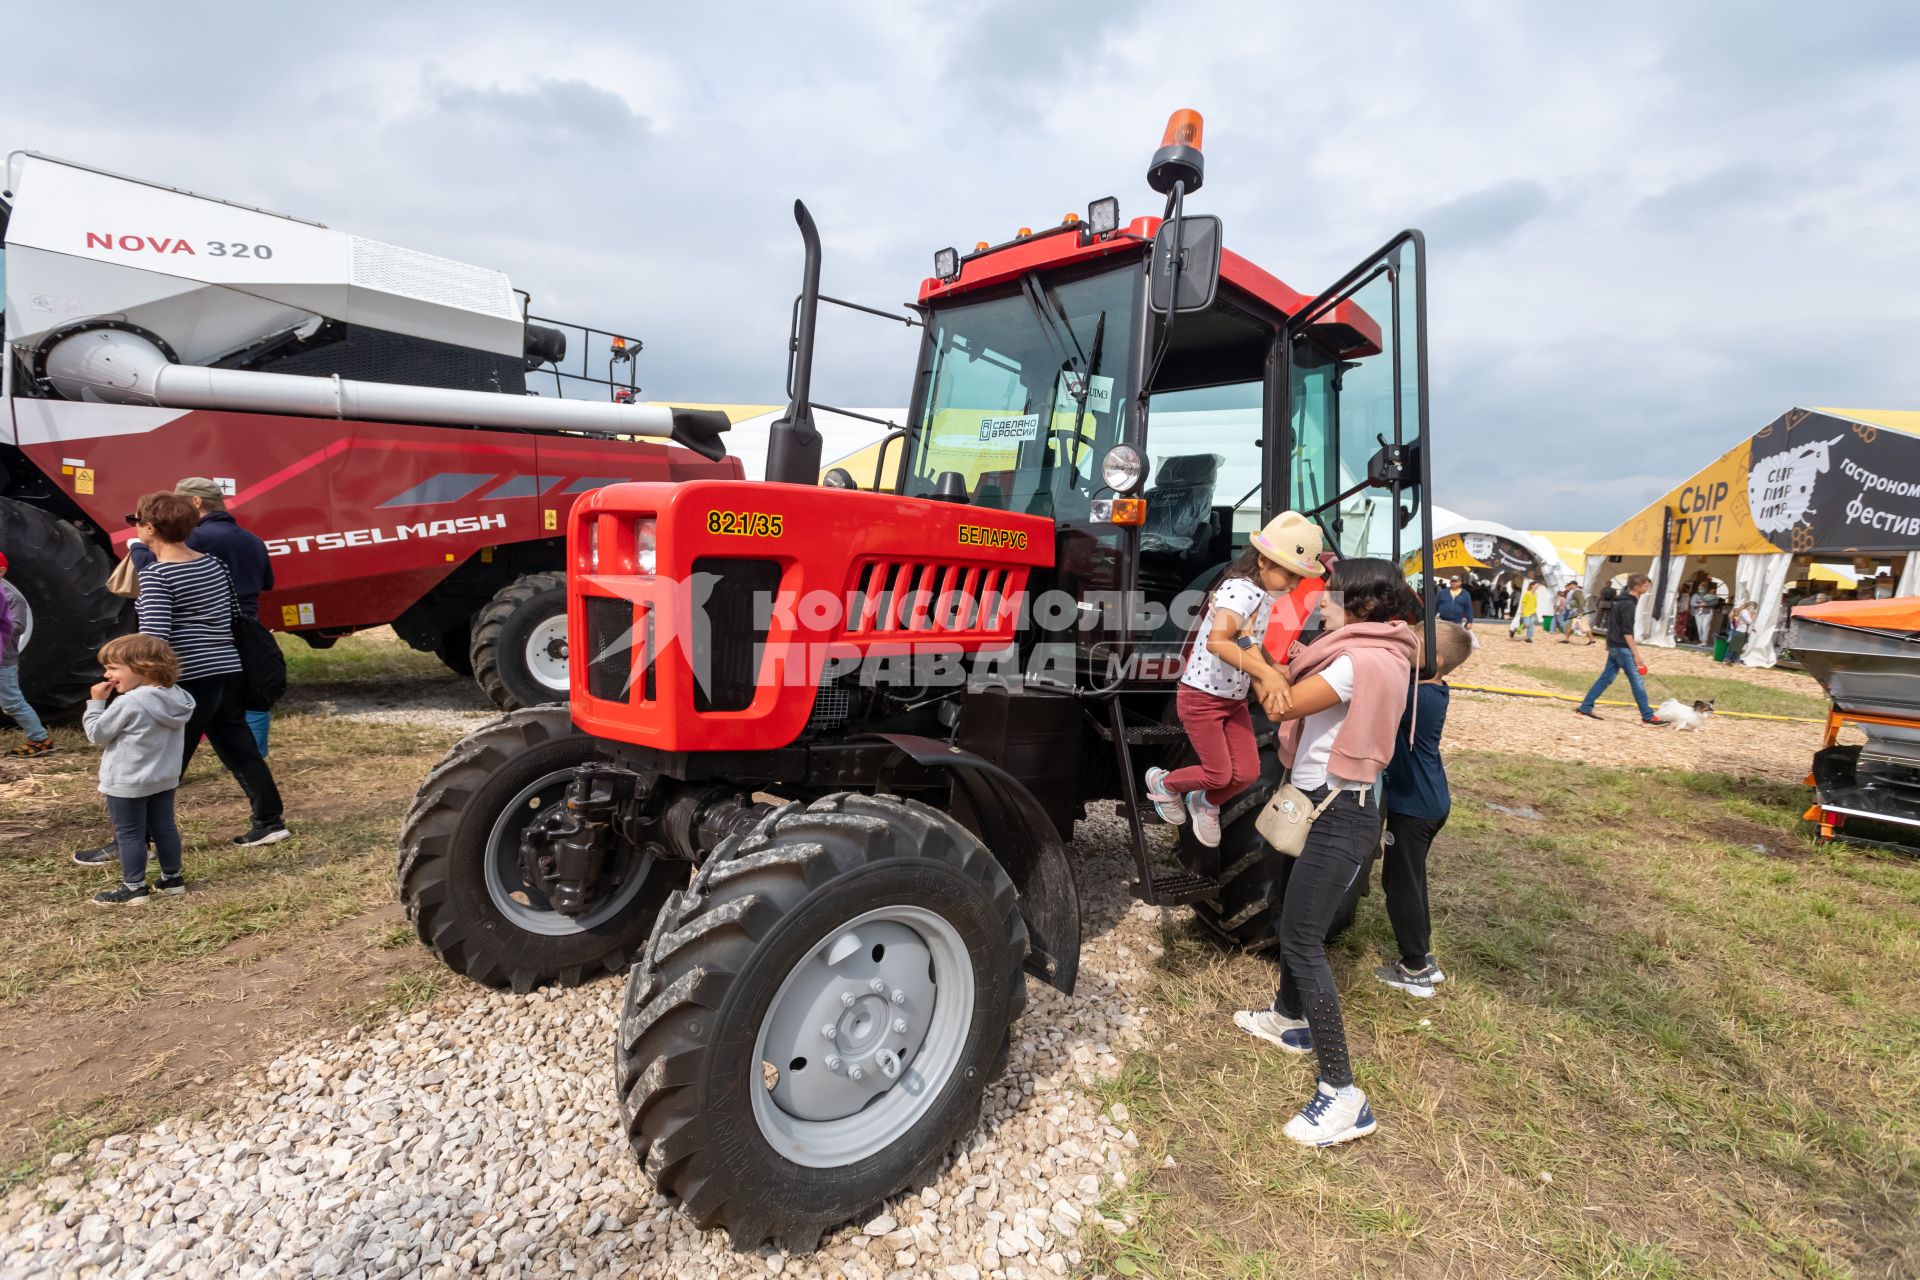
(1346, 693)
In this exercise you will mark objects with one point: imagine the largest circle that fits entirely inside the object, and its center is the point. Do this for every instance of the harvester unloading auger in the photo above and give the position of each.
(367, 406)
(826, 747)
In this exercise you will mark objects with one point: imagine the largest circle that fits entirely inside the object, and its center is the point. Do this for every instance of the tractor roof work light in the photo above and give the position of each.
(946, 263)
(1103, 215)
(1179, 158)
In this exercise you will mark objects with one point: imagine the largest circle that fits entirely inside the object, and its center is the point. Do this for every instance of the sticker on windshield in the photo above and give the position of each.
(1100, 394)
(1008, 430)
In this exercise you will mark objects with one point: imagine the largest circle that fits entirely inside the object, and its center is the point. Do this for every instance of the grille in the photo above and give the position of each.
(924, 597)
(609, 648)
(738, 614)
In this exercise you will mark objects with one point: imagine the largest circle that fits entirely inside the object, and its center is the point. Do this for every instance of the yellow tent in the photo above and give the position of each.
(1571, 546)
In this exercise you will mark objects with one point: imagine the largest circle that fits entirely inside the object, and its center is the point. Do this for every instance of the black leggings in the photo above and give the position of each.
(1403, 877)
(1338, 846)
(219, 711)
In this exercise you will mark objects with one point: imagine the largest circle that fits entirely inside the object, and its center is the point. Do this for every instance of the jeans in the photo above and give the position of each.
(1221, 730)
(220, 714)
(1524, 620)
(1619, 659)
(1339, 844)
(1403, 878)
(137, 820)
(261, 722)
(14, 703)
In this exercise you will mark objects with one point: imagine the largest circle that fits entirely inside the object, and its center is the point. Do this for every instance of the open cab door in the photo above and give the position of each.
(1357, 459)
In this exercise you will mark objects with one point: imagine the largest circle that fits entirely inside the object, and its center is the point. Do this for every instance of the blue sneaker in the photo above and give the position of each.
(1168, 804)
(1331, 1116)
(1291, 1034)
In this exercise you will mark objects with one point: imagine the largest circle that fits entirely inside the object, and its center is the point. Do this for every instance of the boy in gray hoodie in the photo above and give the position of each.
(144, 733)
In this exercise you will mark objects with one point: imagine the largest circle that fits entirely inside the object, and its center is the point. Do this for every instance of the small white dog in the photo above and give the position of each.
(1683, 717)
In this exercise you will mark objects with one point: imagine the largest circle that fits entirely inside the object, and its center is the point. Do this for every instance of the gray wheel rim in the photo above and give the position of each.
(899, 1021)
(507, 885)
(546, 653)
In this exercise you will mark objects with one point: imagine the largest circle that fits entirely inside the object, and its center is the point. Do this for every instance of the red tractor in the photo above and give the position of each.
(826, 747)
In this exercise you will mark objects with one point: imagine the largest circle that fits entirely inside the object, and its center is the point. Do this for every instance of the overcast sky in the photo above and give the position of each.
(1652, 228)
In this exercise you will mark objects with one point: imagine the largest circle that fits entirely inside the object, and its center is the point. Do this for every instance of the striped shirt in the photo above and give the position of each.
(189, 604)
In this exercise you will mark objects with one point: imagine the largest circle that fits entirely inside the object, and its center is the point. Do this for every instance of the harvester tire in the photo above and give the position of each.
(63, 578)
(519, 652)
(856, 932)
(459, 875)
(455, 648)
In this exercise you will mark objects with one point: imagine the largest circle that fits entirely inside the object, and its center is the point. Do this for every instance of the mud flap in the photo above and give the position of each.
(991, 803)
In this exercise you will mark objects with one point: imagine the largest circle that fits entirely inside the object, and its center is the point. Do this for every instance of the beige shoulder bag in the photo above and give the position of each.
(1286, 818)
(125, 579)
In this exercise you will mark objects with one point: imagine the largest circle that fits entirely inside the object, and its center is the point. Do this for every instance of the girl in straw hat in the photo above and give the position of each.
(1225, 663)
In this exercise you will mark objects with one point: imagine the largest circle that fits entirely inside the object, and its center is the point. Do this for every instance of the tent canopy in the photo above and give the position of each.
(1812, 481)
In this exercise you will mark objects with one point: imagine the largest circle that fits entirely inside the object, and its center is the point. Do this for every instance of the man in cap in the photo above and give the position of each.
(245, 555)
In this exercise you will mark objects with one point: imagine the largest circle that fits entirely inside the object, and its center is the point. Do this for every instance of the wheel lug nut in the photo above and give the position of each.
(876, 986)
(828, 1031)
(900, 1025)
(854, 1073)
(846, 999)
(833, 1063)
(899, 996)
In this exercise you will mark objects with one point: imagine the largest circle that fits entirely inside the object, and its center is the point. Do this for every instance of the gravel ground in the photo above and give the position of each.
(480, 1134)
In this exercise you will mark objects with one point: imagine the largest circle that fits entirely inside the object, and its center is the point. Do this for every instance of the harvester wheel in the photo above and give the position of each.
(519, 650)
(817, 1017)
(70, 613)
(460, 874)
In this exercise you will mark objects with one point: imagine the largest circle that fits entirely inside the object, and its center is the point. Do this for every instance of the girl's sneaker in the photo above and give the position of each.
(1206, 819)
(1331, 1116)
(1168, 804)
(171, 884)
(123, 895)
(1290, 1034)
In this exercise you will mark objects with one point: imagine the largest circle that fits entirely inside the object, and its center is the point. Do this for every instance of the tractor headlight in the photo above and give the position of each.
(645, 534)
(1123, 468)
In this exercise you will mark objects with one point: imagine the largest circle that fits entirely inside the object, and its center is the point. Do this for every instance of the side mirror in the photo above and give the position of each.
(1198, 253)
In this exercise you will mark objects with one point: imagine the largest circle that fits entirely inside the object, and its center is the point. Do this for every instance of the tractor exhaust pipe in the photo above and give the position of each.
(793, 445)
(119, 366)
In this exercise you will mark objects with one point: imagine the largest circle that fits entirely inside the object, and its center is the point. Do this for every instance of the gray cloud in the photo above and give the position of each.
(1485, 217)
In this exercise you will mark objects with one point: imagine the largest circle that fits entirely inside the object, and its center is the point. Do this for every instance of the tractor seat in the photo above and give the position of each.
(1180, 502)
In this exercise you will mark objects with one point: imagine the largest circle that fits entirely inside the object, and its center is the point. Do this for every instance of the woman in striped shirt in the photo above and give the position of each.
(186, 598)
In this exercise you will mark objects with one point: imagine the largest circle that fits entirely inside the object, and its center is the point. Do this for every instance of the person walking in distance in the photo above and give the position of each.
(142, 731)
(13, 625)
(217, 533)
(1347, 692)
(1417, 803)
(1623, 653)
(187, 599)
(1526, 613)
(1228, 658)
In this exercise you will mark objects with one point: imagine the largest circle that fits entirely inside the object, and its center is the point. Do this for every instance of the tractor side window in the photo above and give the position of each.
(1022, 394)
(1203, 467)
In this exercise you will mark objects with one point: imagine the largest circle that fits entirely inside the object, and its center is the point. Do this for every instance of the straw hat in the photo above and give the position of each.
(1293, 542)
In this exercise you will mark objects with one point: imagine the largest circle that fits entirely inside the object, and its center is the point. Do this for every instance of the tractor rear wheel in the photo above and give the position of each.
(519, 650)
(818, 1016)
(460, 875)
(70, 613)
(455, 648)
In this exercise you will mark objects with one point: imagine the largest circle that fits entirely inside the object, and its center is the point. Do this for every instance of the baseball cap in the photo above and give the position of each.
(200, 487)
(3, 559)
(1293, 542)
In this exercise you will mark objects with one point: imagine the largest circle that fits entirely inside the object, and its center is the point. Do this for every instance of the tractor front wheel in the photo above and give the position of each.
(818, 1016)
(519, 650)
(460, 873)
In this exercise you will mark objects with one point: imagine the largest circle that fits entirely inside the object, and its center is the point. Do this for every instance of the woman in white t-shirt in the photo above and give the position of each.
(1228, 660)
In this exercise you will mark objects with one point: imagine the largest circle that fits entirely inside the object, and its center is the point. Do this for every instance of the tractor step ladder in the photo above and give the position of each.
(1170, 887)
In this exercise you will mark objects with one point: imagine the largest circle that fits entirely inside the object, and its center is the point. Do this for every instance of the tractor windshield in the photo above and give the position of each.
(1021, 393)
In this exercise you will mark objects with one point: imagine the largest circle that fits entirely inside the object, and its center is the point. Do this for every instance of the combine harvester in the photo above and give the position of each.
(1867, 655)
(372, 410)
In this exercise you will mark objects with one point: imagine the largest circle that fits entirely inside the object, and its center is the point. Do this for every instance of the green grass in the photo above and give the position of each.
(1725, 694)
(375, 655)
(1662, 1053)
